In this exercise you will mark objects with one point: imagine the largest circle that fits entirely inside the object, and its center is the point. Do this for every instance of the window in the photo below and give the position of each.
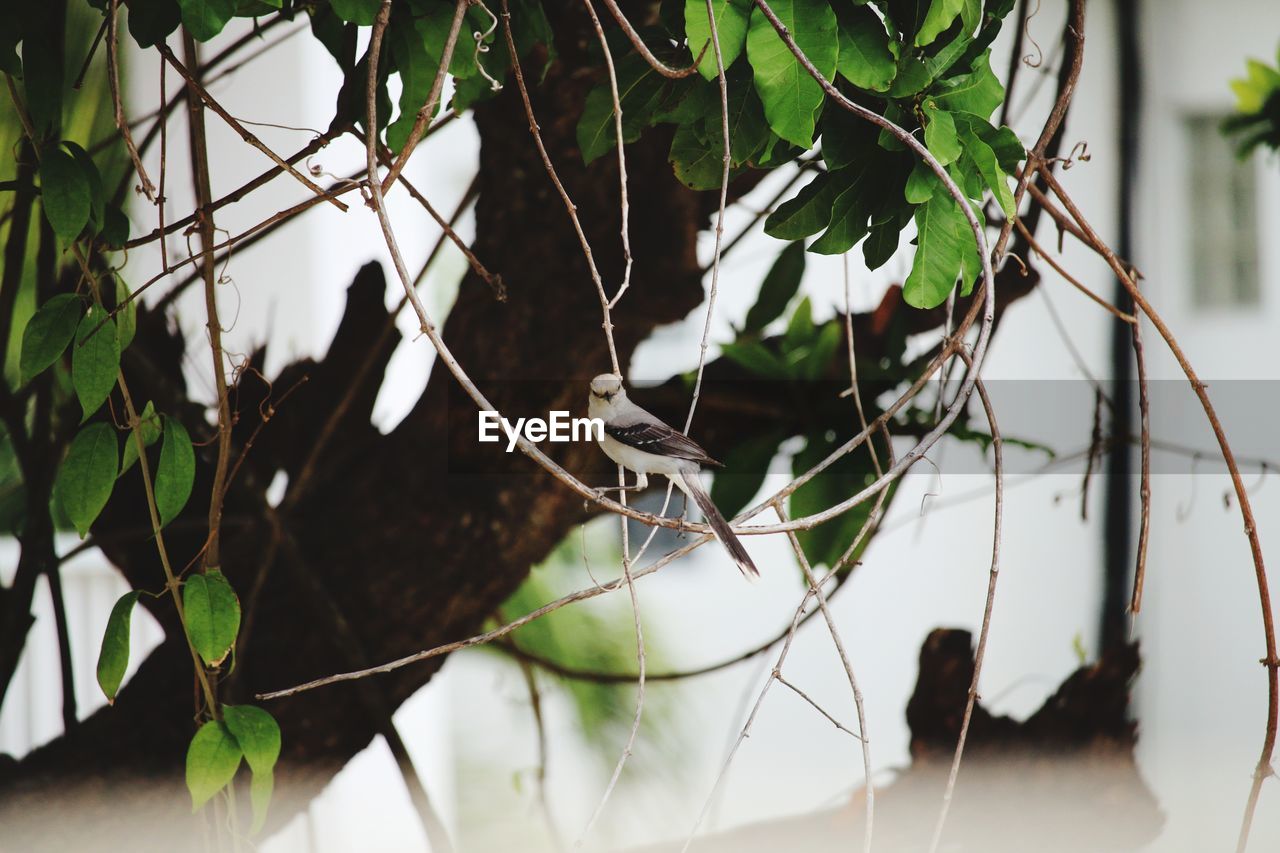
(1222, 217)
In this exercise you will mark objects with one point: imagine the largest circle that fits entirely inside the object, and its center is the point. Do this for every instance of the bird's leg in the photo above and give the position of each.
(642, 483)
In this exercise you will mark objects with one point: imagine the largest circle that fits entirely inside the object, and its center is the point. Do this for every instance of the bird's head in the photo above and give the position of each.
(606, 387)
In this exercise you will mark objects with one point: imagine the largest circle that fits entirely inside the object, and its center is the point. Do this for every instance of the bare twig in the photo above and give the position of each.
(200, 173)
(570, 207)
(1144, 489)
(428, 109)
(1072, 280)
(198, 91)
(643, 49)
(113, 78)
(997, 448)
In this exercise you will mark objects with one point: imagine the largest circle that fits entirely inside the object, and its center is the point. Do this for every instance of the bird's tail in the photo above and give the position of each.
(693, 487)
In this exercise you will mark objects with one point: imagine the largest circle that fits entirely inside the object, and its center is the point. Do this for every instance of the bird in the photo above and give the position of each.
(640, 442)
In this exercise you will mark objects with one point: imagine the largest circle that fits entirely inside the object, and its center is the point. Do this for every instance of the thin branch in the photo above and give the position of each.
(69, 716)
(572, 209)
(1144, 489)
(863, 738)
(821, 710)
(625, 202)
(198, 91)
(640, 669)
(997, 448)
(1072, 280)
(535, 705)
(428, 109)
(113, 77)
(200, 174)
(643, 49)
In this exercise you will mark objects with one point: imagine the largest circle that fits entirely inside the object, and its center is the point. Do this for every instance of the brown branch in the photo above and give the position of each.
(429, 108)
(195, 89)
(1072, 280)
(1272, 660)
(200, 173)
(113, 78)
(1144, 489)
(643, 49)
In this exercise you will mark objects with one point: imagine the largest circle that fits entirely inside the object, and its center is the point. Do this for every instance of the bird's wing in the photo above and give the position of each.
(653, 436)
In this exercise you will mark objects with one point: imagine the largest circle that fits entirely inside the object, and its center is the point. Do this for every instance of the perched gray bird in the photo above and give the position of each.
(640, 442)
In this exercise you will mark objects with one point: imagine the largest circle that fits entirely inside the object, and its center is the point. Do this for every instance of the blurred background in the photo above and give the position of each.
(1200, 697)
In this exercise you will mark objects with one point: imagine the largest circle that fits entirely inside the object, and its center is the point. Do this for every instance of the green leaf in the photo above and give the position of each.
(97, 194)
(921, 184)
(826, 543)
(732, 17)
(939, 17)
(95, 360)
(126, 317)
(865, 58)
(176, 471)
(88, 474)
(1008, 148)
(808, 212)
(881, 244)
(65, 193)
(113, 657)
(978, 92)
(639, 91)
(115, 227)
(849, 212)
(779, 286)
(257, 733)
(847, 139)
(940, 136)
(260, 795)
(213, 615)
(698, 164)
(756, 358)
(943, 240)
(800, 328)
(912, 77)
(748, 130)
(151, 21)
(149, 424)
(745, 467)
(11, 15)
(359, 12)
(47, 334)
(820, 352)
(206, 18)
(212, 761)
(791, 98)
(985, 160)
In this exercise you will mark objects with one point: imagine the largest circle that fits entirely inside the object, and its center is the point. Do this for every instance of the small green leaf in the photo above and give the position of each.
(176, 471)
(792, 98)
(639, 91)
(745, 467)
(748, 130)
(113, 658)
(47, 334)
(978, 92)
(800, 328)
(95, 360)
(943, 241)
(213, 615)
(206, 18)
(115, 227)
(97, 194)
(260, 795)
(151, 21)
(849, 213)
(865, 59)
(212, 761)
(88, 474)
(883, 240)
(921, 184)
(698, 165)
(359, 12)
(994, 177)
(778, 288)
(65, 193)
(127, 317)
(756, 358)
(257, 733)
(149, 424)
(940, 137)
(939, 17)
(732, 17)
(808, 212)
